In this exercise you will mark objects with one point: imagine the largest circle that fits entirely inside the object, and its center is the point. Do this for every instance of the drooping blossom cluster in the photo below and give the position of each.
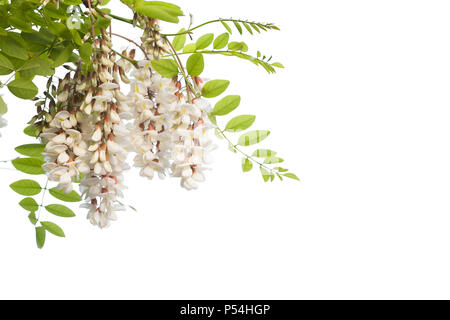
(95, 126)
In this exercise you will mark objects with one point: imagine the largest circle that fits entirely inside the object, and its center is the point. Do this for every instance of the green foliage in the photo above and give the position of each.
(168, 68)
(29, 204)
(247, 165)
(60, 211)
(158, 10)
(240, 123)
(31, 150)
(227, 105)
(3, 106)
(26, 187)
(23, 88)
(253, 137)
(180, 40)
(30, 131)
(40, 237)
(215, 88)
(31, 166)
(204, 41)
(264, 153)
(221, 41)
(195, 64)
(67, 197)
(53, 228)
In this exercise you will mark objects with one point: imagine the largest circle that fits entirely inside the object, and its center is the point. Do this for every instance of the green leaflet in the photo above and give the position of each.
(226, 26)
(291, 176)
(215, 88)
(204, 41)
(166, 67)
(30, 131)
(190, 48)
(238, 26)
(53, 228)
(32, 218)
(29, 165)
(40, 237)
(63, 56)
(31, 150)
(29, 204)
(238, 46)
(67, 197)
(5, 63)
(265, 174)
(60, 211)
(86, 51)
(159, 10)
(264, 153)
(273, 160)
(180, 40)
(247, 165)
(26, 187)
(253, 137)
(240, 123)
(221, 41)
(227, 105)
(13, 48)
(3, 106)
(195, 64)
(22, 88)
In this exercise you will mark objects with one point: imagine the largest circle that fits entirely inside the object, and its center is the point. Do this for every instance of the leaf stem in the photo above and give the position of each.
(42, 200)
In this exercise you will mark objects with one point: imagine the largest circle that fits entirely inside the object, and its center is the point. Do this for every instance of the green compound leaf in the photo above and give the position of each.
(29, 165)
(264, 153)
(29, 204)
(227, 105)
(253, 137)
(247, 165)
(60, 211)
(23, 89)
(204, 41)
(26, 187)
(40, 237)
(215, 88)
(180, 40)
(221, 41)
(31, 150)
(53, 228)
(166, 67)
(195, 64)
(67, 197)
(240, 123)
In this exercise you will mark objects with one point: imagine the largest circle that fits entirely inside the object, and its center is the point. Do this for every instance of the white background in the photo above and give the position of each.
(361, 114)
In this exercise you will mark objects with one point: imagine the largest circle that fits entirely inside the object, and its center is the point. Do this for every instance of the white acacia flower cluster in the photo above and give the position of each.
(96, 126)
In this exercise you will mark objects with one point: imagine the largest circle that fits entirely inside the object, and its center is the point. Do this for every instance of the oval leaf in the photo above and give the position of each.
(22, 88)
(67, 197)
(166, 67)
(240, 123)
(204, 41)
(60, 211)
(29, 204)
(291, 176)
(31, 150)
(215, 88)
(53, 228)
(264, 153)
(221, 41)
(253, 137)
(226, 105)
(195, 64)
(29, 165)
(180, 40)
(273, 160)
(40, 237)
(247, 165)
(26, 187)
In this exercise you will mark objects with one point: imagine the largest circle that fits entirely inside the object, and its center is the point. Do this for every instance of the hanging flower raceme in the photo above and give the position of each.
(88, 126)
